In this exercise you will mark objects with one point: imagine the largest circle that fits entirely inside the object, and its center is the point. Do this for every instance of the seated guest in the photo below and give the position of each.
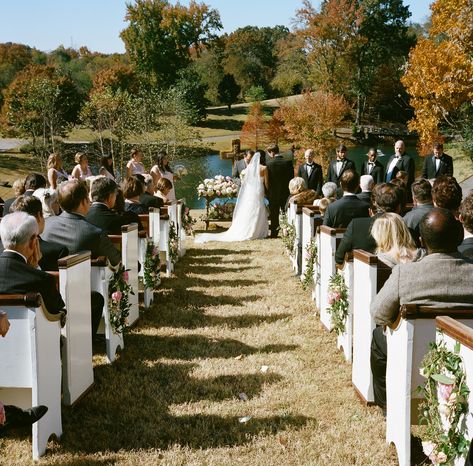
(49, 201)
(148, 199)
(323, 204)
(394, 244)
(366, 185)
(329, 191)
(442, 278)
(311, 172)
(33, 182)
(422, 197)
(18, 190)
(340, 213)
(103, 194)
(447, 193)
(19, 261)
(437, 164)
(163, 188)
(50, 252)
(386, 198)
(466, 218)
(72, 230)
(127, 215)
(133, 188)
(299, 194)
(403, 192)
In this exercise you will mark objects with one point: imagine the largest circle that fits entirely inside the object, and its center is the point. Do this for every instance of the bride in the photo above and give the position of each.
(250, 218)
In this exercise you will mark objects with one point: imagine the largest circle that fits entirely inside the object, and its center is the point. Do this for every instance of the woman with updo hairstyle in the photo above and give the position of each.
(56, 172)
(394, 241)
(82, 170)
(49, 201)
(163, 170)
(133, 188)
(134, 165)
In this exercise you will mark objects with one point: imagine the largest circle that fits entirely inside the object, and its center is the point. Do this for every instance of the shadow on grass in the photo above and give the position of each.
(223, 123)
(191, 253)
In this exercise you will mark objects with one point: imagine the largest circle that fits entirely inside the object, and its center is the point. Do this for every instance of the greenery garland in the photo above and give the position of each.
(311, 253)
(118, 303)
(445, 404)
(338, 300)
(173, 243)
(288, 234)
(152, 266)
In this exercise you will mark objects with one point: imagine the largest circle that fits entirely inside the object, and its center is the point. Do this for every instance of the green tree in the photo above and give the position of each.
(192, 90)
(160, 36)
(228, 90)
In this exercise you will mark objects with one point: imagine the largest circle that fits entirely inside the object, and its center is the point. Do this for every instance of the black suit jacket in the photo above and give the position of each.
(315, 180)
(77, 234)
(104, 218)
(365, 196)
(280, 172)
(412, 220)
(405, 163)
(148, 200)
(466, 247)
(340, 213)
(16, 276)
(332, 170)
(429, 169)
(357, 236)
(377, 172)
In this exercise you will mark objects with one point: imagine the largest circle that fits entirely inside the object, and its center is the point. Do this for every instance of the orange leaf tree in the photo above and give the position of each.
(253, 133)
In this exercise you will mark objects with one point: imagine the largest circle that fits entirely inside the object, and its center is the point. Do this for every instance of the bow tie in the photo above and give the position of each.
(340, 160)
(370, 163)
(311, 165)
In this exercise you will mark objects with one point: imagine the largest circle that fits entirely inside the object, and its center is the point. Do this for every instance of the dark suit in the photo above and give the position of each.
(404, 163)
(412, 220)
(341, 212)
(77, 234)
(239, 166)
(365, 196)
(104, 218)
(429, 169)
(377, 172)
(16, 276)
(280, 172)
(357, 236)
(148, 200)
(314, 180)
(136, 208)
(466, 247)
(332, 170)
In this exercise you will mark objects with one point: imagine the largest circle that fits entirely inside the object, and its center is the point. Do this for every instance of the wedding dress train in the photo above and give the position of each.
(250, 218)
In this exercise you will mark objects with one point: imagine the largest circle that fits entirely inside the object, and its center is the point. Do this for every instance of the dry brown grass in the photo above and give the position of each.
(172, 397)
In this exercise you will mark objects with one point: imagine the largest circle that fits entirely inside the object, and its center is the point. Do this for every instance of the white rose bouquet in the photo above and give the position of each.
(180, 171)
(218, 186)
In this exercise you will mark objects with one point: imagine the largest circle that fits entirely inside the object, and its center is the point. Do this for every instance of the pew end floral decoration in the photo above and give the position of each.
(338, 302)
(311, 259)
(173, 243)
(288, 234)
(445, 404)
(188, 222)
(118, 302)
(152, 266)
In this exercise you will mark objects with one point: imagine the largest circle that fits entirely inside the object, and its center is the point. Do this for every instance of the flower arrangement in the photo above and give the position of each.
(180, 171)
(288, 234)
(445, 404)
(218, 186)
(338, 301)
(118, 304)
(173, 243)
(221, 210)
(152, 266)
(311, 258)
(188, 222)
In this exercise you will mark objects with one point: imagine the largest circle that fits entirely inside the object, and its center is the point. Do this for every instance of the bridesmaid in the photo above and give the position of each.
(82, 170)
(106, 167)
(56, 173)
(163, 170)
(135, 166)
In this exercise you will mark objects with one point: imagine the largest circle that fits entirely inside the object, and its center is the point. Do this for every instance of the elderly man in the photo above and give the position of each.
(366, 184)
(400, 161)
(311, 172)
(437, 164)
(442, 278)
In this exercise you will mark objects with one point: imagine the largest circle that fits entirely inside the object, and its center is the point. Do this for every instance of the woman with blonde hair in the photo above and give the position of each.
(394, 240)
(56, 172)
(81, 171)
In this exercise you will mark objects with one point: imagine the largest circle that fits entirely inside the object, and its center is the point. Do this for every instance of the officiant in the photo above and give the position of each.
(311, 172)
(241, 165)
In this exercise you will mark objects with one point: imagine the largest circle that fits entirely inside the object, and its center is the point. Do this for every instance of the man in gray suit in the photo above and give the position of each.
(241, 164)
(442, 278)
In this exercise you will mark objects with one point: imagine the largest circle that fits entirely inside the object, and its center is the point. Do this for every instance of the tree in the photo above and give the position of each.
(253, 133)
(311, 121)
(192, 90)
(160, 36)
(438, 75)
(255, 94)
(228, 90)
(117, 77)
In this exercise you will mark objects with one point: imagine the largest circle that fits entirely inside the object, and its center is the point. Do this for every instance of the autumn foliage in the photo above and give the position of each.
(253, 133)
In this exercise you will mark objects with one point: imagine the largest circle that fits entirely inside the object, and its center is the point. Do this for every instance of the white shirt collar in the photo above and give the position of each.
(16, 252)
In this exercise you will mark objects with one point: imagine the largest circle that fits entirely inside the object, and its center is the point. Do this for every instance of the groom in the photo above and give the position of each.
(280, 172)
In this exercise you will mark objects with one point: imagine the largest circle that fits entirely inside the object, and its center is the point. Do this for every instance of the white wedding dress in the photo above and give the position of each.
(250, 218)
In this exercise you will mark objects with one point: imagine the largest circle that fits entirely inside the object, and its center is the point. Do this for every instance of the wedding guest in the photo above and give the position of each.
(340, 213)
(148, 199)
(134, 165)
(437, 164)
(466, 218)
(311, 172)
(366, 184)
(373, 167)
(18, 189)
(127, 215)
(133, 188)
(403, 193)
(33, 182)
(56, 172)
(49, 201)
(106, 167)
(163, 188)
(329, 191)
(163, 170)
(299, 194)
(82, 170)
(323, 204)
(447, 193)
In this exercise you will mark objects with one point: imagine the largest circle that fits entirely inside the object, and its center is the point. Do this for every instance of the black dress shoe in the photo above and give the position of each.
(17, 417)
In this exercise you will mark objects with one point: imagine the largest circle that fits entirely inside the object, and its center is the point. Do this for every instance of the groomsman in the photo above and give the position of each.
(311, 172)
(373, 167)
(437, 164)
(400, 161)
(337, 167)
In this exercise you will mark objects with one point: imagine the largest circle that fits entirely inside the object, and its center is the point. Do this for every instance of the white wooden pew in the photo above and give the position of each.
(370, 275)
(164, 243)
(329, 238)
(100, 277)
(295, 218)
(345, 340)
(77, 369)
(181, 232)
(311, 219)
(30, 364)
(407, 345)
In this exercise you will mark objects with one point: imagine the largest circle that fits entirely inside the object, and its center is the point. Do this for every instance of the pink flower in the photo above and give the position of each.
(155, 251)
(186, 210)
(445, 391)
(333, 296)
(125, 276)
(117, 296)
(3, 418)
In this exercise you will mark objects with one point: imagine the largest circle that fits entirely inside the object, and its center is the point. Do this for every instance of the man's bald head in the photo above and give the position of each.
(441, 231)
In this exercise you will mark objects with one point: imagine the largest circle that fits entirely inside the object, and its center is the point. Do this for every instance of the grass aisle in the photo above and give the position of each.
(172, 397)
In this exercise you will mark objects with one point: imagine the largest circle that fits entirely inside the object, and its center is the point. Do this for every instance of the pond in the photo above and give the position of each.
(211, 165)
